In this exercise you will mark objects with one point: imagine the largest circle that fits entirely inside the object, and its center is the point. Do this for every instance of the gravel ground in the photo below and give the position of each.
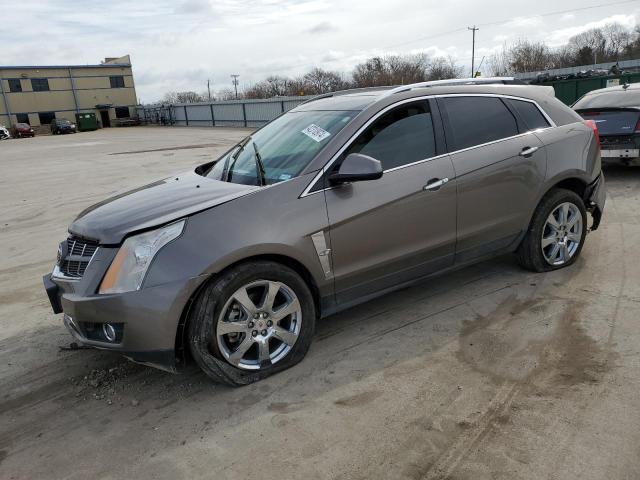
(490, 372)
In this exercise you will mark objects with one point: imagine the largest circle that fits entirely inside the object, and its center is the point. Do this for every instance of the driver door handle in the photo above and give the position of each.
(435, 184)
(528, 151)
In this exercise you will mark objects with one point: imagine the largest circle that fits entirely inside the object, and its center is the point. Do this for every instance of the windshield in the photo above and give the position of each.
(617, 99)
(282, 148)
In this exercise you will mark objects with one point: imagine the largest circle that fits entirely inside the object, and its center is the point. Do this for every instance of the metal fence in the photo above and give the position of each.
(232, 113)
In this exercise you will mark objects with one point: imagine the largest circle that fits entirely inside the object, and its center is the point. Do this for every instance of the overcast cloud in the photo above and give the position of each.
(179, 44)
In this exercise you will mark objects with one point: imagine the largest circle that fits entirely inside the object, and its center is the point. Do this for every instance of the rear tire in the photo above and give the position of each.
(254, 320)
(556, 233)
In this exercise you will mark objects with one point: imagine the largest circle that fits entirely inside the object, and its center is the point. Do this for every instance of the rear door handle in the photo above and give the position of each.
(528, 151)
(435, 183)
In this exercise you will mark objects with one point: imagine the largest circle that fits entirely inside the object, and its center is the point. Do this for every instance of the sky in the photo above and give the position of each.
(178, 45)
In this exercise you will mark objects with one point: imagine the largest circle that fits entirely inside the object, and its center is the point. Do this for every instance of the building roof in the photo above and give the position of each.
(109, 62)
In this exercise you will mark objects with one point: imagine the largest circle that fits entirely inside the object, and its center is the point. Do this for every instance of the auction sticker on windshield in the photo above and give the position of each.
(316, 133)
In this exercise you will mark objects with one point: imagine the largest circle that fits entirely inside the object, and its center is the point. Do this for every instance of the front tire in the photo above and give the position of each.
(556, 234)
(254, 320)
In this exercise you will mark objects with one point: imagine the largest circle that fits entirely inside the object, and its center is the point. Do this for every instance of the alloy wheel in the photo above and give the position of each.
(259, 324)
(562, 234)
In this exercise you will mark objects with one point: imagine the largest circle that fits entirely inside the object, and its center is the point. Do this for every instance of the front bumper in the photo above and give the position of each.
(595, 196)
(146, 321)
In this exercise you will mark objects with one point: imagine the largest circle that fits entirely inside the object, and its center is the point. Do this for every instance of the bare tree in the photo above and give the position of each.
(183, 97)
(320, 81)
(226, 94)
(391, 70)
(443, 68)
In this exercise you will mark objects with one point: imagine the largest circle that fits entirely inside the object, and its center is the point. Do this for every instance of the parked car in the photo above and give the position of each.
(616, 111)
(62, 125)
(20, 130)
(342, 199)
(4, 133)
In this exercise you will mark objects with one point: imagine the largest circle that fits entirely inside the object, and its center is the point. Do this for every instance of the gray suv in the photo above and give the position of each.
(342, 199)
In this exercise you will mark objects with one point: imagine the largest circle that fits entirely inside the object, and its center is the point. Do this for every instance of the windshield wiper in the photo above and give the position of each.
(259, 165)
(228, 168)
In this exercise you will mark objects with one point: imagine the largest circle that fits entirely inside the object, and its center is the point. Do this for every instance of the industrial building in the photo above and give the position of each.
(38, 94)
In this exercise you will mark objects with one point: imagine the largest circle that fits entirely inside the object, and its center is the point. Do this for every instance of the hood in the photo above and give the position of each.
(152, 205)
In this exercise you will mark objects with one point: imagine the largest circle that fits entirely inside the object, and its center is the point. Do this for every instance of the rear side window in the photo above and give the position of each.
(531, 115)
(401, 136)
(477, 120)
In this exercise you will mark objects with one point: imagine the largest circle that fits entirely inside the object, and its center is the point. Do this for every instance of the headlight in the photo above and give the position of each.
(128, 269)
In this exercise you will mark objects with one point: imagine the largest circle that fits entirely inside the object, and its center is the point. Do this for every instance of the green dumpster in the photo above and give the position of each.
(86, 121)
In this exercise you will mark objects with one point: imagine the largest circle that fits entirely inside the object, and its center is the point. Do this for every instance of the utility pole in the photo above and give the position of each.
(209, 89)
(474, 29)
(235, 83)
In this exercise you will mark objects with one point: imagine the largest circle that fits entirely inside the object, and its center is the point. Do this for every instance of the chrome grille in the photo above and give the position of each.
(80, 253)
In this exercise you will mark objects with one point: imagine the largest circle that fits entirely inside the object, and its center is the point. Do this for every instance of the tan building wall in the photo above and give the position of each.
(106, 89)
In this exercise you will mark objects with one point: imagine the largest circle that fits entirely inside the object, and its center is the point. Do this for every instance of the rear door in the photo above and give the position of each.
(389, 231)
(500, 165)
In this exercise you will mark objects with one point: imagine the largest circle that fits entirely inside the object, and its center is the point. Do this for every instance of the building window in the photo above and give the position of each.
(14, 85)
(122, 112)
(117, 82)
(46, 117)
(22, 118)
(40, 84)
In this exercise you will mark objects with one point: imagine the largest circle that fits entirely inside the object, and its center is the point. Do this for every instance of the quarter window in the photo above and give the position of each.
(477, 120)
(14, 85)
(116, 82)
(530, 114)
(402, 136)
(40, 84)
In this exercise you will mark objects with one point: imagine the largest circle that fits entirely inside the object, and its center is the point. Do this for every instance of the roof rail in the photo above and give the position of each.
(345, 92)
(457, 81)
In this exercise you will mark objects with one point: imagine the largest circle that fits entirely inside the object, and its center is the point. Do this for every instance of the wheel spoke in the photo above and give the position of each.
(553, 254)
(285, 335)
(243, 299)
(574, 220)
(288, 309)
(546, 241)
(565, 214)
(565, 253)
(270, 296)
(574, 237)
(239, 352)
(552, 222)
(263, 351)
(225, 328)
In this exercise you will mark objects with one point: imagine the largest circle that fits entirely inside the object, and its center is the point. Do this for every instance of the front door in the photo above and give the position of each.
(392, 230)
(104, 117)
(500, 165)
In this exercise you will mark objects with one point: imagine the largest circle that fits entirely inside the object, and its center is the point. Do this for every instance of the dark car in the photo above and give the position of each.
(342, 199)
(616, 112)
(62, 125)
(21, 130)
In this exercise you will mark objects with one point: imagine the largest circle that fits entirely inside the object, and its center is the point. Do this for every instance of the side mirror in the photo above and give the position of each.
(357, 168)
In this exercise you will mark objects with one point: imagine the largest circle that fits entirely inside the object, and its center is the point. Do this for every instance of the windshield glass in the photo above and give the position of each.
(615, 99)
(284, 146)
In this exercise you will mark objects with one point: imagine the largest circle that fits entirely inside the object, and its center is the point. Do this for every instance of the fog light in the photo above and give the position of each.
(109, 332)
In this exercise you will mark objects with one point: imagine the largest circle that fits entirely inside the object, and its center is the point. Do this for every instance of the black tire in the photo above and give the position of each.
(529, 252)
(208, 308)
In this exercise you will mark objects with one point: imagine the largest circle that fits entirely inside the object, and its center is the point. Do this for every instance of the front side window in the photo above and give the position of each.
(285, 147)
(402, 136)
(15, 85)
(477, 120)
(116, 82)
(40, 84)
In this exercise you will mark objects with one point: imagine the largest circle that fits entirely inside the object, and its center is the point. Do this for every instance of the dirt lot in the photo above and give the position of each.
(487, 373)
